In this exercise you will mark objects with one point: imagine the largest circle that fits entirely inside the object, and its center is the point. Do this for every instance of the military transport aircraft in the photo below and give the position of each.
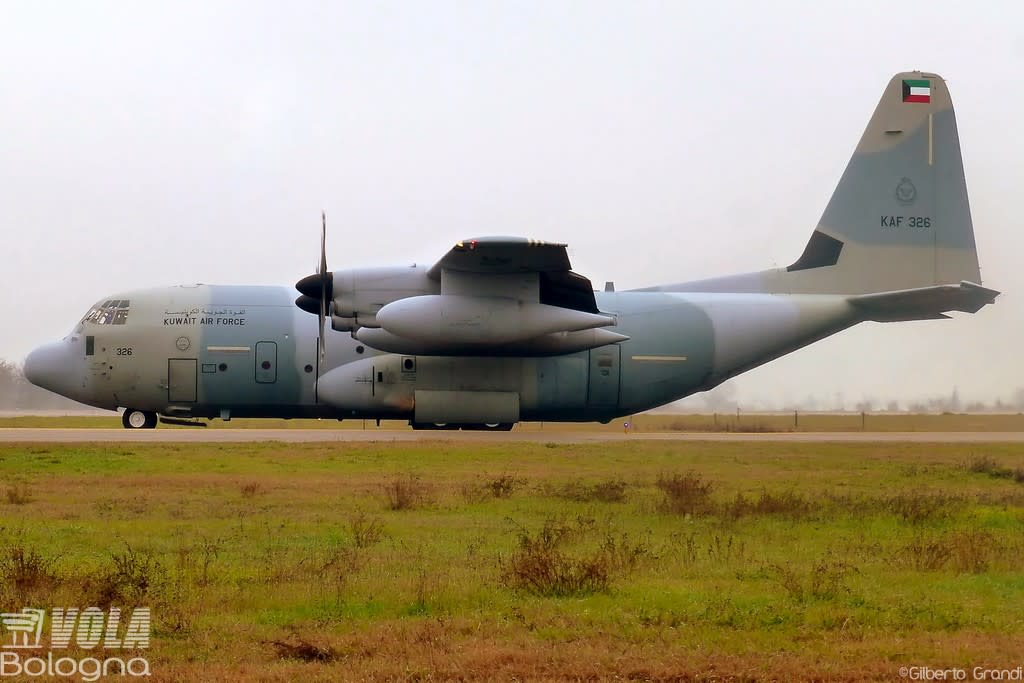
(501, 330)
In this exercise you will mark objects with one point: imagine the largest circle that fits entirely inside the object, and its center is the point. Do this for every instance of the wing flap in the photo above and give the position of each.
(567, 290)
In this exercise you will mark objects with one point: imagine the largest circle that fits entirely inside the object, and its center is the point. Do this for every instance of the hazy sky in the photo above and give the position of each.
(147, 144)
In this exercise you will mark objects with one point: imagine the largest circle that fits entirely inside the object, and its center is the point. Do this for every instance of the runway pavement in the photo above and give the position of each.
(30, 435)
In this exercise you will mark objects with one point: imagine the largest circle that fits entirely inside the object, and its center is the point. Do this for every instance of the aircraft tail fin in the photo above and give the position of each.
(899, 218)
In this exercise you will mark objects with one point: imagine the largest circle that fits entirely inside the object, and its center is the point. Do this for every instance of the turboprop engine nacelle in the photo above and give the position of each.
(460, 319)
(360, 292)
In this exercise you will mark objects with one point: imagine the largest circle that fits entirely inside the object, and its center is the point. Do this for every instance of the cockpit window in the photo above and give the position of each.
(110, 312)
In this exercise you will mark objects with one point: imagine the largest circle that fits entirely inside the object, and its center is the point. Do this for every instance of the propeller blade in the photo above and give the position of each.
(317, 290)
(323, 284)
(321, 345)
(323, 243)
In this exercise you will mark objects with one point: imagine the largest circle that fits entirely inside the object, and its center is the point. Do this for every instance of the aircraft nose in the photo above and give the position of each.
(50, 367)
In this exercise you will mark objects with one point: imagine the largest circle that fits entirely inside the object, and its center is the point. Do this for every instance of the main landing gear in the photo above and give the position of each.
(488, 427)
(138, 419)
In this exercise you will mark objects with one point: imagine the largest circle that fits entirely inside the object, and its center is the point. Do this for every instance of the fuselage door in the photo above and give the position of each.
(604, 376)
(266, 362)
(181, 380)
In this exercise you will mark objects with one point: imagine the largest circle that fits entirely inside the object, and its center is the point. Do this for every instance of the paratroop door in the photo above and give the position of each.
(266, 362)
(181, 380)
(604, 376)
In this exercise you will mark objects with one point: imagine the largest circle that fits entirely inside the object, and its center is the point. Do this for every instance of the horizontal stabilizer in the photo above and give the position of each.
(923, 303)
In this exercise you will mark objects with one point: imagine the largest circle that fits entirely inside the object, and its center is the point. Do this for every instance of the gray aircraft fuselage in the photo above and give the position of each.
(242, 351)
(501, 330)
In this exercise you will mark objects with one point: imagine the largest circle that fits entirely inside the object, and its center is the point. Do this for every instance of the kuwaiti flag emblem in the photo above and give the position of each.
(917, 91)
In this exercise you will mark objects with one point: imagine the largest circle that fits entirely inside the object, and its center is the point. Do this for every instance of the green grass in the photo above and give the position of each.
(529, 560)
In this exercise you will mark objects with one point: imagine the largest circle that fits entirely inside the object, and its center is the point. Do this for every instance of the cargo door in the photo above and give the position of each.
(181, 380)
(603, 389)
(266, 362)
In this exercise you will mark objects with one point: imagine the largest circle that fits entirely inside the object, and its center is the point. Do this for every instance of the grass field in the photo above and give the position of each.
(431, 561)
(646, 422)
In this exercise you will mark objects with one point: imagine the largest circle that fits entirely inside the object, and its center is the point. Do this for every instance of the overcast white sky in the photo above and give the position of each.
(149, 144)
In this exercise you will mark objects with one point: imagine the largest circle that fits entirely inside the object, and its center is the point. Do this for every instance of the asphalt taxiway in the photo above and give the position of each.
(32, 435)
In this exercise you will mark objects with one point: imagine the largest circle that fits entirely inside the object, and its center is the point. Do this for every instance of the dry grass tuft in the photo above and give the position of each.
(539, 565)
(983, 464)
(25, 570)
(196, 561)
(19, 494)
(607, 491)
(912, 507)
(252, 489)
(786, 504)
(406, 493)
(918, 507)
(304, 651)
(685, 494)
(129, 579)
(545, 570)
(502, 486)
(964, 551)
(826, 580)
(366, 531)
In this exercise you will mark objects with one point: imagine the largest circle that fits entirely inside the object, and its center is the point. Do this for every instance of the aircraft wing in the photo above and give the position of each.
(508, 256)
(496, 255)
(487, 296)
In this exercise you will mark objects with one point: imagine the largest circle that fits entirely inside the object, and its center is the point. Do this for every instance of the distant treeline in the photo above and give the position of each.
(17, 393)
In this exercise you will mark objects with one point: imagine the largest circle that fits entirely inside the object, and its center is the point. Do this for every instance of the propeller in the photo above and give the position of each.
(323, 283)
(317, 290)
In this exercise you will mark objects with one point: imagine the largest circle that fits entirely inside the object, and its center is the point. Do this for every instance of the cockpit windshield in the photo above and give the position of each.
(110, 312)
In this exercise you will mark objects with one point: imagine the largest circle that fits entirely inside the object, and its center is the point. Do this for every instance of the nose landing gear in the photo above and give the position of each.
(138, 419)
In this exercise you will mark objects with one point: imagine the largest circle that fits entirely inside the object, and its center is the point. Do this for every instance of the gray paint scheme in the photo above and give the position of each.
(234, 351)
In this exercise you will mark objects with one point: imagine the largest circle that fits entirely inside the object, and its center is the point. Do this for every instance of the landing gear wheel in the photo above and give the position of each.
(138, 419)
(433, 425)
(490, 426)
(467, 426)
